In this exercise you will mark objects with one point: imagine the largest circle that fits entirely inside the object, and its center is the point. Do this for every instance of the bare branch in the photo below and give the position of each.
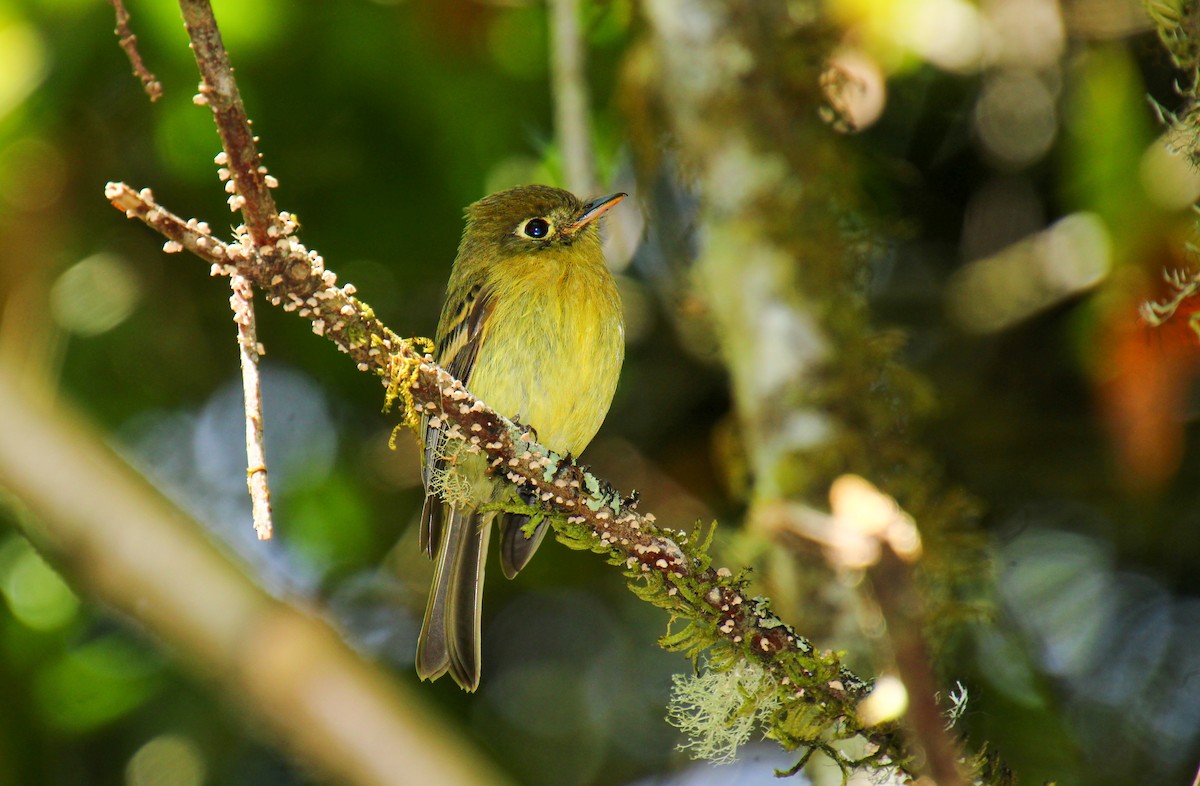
(256, 456)
(292, 277)
(128, 42)
(249, 185)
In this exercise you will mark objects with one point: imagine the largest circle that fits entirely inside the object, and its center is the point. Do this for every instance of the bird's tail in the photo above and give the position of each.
(449, 638)
(515, 549)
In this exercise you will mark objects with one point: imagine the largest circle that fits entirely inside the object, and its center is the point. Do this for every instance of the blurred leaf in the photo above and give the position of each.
(330, 522)
(96, 683)
(1108, 129)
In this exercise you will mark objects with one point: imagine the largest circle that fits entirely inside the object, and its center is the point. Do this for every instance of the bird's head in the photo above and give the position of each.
(533, 219)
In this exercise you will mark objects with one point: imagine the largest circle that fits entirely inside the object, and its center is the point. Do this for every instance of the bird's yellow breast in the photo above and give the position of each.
(553, 348)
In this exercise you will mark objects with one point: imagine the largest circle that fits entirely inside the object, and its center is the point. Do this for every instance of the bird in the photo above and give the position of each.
(532, 325)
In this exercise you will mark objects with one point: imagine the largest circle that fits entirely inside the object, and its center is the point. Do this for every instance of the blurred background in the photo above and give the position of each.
(1024, 198)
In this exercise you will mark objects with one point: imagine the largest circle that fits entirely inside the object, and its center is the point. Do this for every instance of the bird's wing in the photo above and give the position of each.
(459, 338)
(461, 335)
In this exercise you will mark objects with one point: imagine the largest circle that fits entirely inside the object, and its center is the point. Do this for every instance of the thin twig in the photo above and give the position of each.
(892, 586)
(869, 534)
(128, 42)
(572, 124)
(256, 456)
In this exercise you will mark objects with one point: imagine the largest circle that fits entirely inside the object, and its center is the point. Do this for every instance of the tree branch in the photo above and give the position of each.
(241, 301)
(248, 183)
(814, 697)
(590, 513)
(871, 533)
(817, 390)
(122, 543)
(669, 568)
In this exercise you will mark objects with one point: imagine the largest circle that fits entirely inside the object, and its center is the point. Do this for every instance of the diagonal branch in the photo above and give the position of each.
(817, 696)
(670, 568)
(301, 685)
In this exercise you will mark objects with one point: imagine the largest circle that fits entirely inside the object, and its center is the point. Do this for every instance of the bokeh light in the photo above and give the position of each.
(95, 683)
(167, 760)
(95, 294)
(996, 292)
(1015, 117)
(1171, 181)
(32, 174)
(23, 60)
(36, 595)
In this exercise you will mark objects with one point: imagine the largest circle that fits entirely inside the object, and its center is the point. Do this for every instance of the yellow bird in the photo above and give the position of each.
(531, 325)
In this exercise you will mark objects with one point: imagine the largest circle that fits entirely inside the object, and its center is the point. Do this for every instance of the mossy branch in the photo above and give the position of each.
(672, 569)
(802, 697)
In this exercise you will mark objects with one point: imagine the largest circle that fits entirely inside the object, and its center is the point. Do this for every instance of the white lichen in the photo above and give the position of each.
(718, 710)
(454, 487)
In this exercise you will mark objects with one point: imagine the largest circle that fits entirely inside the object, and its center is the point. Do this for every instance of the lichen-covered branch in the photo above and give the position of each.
(671, 569)
(291, 276)
(808, 698)
(248, 182)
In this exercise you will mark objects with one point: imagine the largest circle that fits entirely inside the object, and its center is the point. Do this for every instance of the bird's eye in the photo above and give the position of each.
(535, 228)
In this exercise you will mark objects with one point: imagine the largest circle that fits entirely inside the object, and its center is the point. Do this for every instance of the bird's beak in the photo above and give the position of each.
(593, 210)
